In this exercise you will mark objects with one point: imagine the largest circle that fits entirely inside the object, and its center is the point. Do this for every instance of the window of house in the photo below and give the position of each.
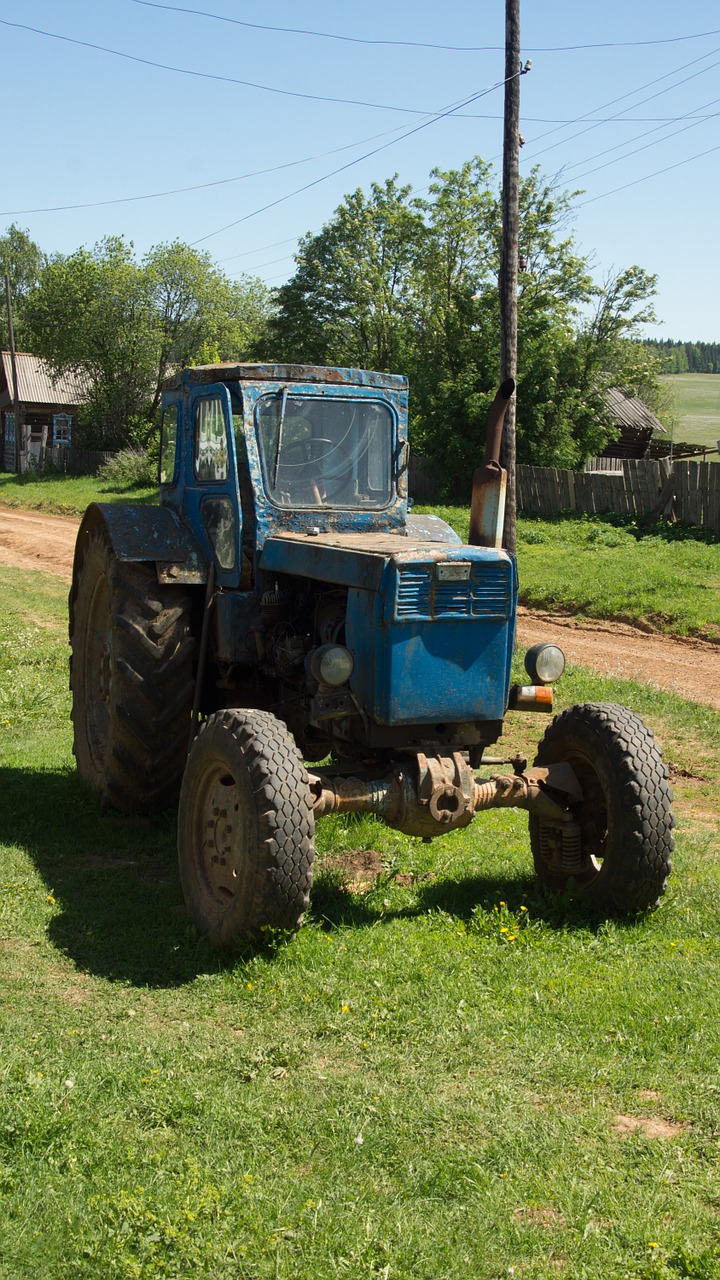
(9, 428)
(62, 429)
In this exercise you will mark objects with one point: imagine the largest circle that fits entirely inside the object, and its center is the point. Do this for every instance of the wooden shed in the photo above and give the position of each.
(635, 423)
(47, 408)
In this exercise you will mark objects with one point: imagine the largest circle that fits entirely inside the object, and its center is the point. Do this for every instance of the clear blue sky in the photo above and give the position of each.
(83, 125)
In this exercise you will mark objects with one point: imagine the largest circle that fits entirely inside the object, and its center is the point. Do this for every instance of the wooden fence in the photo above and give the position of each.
(74, 461)
(689, 491)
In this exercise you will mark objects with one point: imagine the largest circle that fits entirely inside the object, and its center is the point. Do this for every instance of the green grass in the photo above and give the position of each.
(65, 495)
(697, 406)
(667, 577)
(426, 1084)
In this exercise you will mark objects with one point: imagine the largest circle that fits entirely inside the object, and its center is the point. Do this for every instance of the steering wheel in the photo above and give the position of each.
(310, 453)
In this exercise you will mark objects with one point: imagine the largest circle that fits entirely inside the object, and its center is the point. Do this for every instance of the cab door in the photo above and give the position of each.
(211, 493)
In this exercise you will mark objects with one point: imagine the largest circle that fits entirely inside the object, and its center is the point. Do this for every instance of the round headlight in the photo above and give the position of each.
(332, 664)
(545, 663)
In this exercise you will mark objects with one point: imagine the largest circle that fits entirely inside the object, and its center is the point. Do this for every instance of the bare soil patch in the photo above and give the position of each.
(683, 666)
(646, 1126)
(33, 540)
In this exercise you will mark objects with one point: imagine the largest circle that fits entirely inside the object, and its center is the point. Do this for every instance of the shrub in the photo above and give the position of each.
(129, 469)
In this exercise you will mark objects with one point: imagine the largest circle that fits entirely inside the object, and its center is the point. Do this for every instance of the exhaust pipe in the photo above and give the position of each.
(489, 482)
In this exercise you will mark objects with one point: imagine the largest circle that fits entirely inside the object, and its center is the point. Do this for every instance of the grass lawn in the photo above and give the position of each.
(65, 495)
(447, 1074)
(697, 400)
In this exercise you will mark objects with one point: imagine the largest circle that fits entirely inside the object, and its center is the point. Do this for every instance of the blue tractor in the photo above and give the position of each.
(280, 607)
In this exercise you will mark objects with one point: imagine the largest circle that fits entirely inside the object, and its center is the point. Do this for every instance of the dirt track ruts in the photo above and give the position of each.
(33, 540)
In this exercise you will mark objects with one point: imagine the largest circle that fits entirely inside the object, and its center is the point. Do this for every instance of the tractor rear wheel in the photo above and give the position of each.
(245, 828)
(617, 852)
(131, 675)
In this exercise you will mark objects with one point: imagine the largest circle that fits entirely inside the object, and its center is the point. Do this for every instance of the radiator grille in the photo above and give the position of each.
(485, 595)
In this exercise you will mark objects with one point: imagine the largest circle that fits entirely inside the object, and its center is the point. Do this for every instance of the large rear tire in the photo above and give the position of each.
(245, 828)
(131, 675)
(622, 854)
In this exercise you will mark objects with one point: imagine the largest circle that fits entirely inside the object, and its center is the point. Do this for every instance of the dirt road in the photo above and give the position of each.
(32, 540)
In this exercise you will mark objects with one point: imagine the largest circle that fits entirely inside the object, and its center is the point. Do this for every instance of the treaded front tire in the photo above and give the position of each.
(245, 828)
(131, 675)
(625, 818)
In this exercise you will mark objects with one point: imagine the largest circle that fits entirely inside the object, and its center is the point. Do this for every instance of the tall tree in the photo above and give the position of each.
(21, 260)
(121, 325)
(351, 298)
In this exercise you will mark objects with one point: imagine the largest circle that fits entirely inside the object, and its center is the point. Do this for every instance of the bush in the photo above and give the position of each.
(130, 469)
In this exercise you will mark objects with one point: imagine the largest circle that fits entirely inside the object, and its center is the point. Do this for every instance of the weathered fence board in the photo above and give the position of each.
(635, 491)
(76, 462)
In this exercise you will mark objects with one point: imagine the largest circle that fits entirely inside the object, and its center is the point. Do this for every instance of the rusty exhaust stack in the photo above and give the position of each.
(489, 482)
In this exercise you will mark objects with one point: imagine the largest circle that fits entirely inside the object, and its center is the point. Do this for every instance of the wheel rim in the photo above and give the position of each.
(221, 833)
(581, 855)
(97, 674)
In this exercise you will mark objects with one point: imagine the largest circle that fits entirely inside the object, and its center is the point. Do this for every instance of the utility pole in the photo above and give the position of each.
(509, 256)
(13, 363)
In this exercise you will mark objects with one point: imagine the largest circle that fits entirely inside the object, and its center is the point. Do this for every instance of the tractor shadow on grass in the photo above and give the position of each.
(119, 911)
(118, 906)
(336, 903)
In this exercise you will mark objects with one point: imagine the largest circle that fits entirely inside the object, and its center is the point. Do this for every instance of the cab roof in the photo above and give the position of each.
(234, 371)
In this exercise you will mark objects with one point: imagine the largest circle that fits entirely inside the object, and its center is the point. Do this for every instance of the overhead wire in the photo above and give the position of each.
(420, 44)
(432, 119)
(211, 75)
(203, 186)
(693, 124)
(646, 177)
(631, 93)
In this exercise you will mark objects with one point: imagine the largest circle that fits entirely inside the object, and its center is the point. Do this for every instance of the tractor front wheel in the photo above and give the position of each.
(617, 851)
(245, 828)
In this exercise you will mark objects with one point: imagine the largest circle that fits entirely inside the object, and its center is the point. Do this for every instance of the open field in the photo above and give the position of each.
(447, 1074)
(697, 397)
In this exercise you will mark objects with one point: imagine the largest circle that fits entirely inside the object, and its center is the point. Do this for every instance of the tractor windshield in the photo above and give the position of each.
(328, 452)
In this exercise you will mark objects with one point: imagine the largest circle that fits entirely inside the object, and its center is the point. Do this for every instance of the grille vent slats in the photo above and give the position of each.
(485, 595)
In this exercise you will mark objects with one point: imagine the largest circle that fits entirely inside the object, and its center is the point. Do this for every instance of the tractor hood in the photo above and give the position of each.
(415, 578)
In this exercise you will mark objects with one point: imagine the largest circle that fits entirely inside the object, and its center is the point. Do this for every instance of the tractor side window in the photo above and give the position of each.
(219, 521)
(168, 444)
(211, 454)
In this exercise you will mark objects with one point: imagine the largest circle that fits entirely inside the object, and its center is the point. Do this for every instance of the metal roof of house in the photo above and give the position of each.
(36, 384)
(628, 411)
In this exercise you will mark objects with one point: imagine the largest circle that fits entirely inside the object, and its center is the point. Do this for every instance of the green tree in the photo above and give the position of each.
(21, 259)
(351, 299)
(122, 325)
(407, 285)
(199, 312)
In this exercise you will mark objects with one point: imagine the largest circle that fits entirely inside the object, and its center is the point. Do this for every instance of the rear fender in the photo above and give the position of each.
(143, 534)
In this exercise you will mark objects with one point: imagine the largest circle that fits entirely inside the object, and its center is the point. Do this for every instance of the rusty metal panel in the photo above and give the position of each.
(233, 371)
(140, 533)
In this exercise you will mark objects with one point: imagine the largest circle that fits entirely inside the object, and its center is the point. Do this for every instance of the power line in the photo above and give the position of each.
(588, 172)
(630, 94)
(202, 186)
(636, 181)
(598, 155)
(210, 75)
(289, 164)
(350, 163)
(420, 44)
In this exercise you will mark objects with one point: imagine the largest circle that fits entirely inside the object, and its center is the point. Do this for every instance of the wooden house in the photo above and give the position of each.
(635, 423)
(47, 408)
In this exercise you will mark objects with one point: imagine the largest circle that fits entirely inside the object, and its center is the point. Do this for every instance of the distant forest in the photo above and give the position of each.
(686, 357)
